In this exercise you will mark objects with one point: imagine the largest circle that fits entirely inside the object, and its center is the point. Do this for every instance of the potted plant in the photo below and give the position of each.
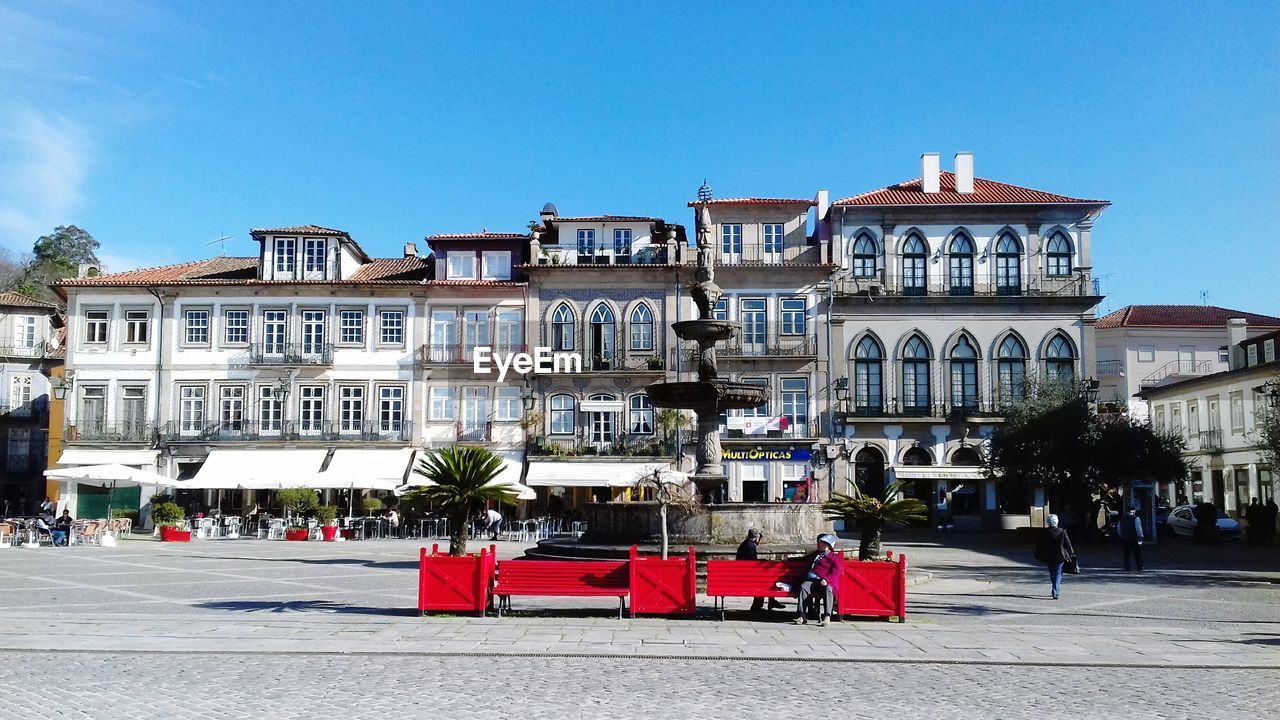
(462, 486)
(654, 362)
(371, 505)
(328, 517)
(870, 515)
(168, 517)
(299, 504)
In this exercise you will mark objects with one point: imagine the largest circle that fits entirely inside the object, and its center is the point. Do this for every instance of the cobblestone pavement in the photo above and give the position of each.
(94, 686)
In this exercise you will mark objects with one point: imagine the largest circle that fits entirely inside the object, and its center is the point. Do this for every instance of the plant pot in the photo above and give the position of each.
(170, 534)
(329, 532)
(297, 535)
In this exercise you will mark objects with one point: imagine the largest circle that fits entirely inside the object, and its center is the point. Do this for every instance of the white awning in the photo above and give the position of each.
(364, 469)
(930, 472)
(512, 465)
(569, 473)
(98, 456)
(257, 469)
(108, 476)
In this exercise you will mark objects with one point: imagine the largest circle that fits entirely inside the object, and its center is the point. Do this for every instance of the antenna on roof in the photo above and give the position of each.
(222, 242)
(1204, 297)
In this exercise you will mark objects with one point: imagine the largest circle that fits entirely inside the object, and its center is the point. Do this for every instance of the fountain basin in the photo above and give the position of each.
(706, 331)
(707, 396)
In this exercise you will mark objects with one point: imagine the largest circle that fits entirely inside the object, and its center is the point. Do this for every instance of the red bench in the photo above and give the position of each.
(751, 578)
(563, 578)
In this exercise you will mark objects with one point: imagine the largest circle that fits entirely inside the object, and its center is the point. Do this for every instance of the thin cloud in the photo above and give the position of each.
(44, 161)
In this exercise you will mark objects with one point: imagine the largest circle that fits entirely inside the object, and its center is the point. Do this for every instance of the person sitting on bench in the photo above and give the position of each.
(749, 550)
(823, 578)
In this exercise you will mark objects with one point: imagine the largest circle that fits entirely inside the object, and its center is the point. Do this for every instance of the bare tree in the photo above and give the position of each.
(13, 270)
(670, 492)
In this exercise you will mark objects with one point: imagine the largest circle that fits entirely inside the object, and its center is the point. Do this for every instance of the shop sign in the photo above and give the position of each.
(767, 454)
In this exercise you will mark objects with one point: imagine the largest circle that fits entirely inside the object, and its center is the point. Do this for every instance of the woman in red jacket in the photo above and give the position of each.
(825, 568)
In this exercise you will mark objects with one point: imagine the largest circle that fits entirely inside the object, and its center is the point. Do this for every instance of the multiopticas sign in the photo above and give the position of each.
(764, 454)
(542, 361)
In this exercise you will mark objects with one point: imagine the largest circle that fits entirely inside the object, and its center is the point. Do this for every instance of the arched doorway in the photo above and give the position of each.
(868, 471)
(966, 496)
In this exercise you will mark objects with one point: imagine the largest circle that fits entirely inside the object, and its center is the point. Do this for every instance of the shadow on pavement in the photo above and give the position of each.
(318, 606)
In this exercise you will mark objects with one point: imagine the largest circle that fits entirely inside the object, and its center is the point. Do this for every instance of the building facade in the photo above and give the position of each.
(30, 348)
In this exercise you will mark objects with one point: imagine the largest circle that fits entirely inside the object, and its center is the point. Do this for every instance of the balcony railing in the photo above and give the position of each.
(103, 432)
(473, 431)
(430, 355)
(801, 347)
(372, 431)
(934, 285)
(628, 445)
(773, 428)
(755, 255)
(956, 410)
(1211, 441)
(1109, 368)
(565, 255)
(291, 354)
(18, 350)
(1176, 369)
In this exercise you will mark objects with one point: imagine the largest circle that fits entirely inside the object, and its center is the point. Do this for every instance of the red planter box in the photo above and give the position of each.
(663, 587)
(455, 584)
(329, 532)
(874, 588)
(296, 534)
(168, 534)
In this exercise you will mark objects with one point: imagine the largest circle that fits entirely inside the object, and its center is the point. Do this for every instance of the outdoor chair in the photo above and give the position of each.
(8, 532)
(231, 527)
(275, 531)
(90, 534)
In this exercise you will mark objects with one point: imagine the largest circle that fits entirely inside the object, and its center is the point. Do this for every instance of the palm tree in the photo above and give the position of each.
(464, 483)
(670, 421)
(871, 514)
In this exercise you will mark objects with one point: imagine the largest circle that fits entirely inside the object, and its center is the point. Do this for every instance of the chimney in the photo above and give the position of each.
(821, 228)
(548, 211)
(964, 172)
(929, 166)
(410, 250)
(1237, 333)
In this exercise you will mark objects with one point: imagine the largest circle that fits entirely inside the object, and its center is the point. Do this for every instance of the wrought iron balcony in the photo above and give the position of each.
(798, 347)
(19, 350)
(1109, 368)
(805, 428)
(370, 431)
(104, 432)
(478, 432)
(572, 256)
(434, 355)
(1211, 440)
(956, 410)
(932, 284)
(301, 354)
(629, 445)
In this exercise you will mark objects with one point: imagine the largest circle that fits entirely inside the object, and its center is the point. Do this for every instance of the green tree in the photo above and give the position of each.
(61, 252)
(870, 515)
(464, 483)
(299, 503)
(670, 421)
(1267, 430)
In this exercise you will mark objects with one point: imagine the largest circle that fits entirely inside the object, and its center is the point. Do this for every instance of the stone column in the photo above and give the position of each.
(1035, 261)
(886, 245)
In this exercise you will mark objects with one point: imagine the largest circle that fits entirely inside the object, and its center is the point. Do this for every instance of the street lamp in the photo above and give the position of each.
(526, 395)
(60, 386)
(1089, 389)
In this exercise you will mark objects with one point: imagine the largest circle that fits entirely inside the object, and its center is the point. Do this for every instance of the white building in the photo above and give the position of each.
(952, 291)
(1142, 346)
(1218, 415)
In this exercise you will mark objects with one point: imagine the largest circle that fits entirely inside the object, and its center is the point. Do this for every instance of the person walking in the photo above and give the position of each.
(1254, 515)
(1131, 537)
(1270, 511)
(1053, 550)
(825, 568)
(749, 550)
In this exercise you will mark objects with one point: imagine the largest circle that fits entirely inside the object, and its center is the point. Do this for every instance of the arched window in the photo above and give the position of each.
(864, 256)
(562, 410)
(1060, 360)
(966, 456)
(915, 377)
(562, 328)
(1008, 265)
(868, 471)
(1011, 370)
(917, 456)
(868, 377)
(602, 337)
(960, 264)
(602, 423)
(1058, 250)
(642, 328)
(964, 375)
(915, 257)
(641, 415)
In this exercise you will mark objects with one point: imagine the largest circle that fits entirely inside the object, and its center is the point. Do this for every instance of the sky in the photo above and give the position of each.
(161, 127)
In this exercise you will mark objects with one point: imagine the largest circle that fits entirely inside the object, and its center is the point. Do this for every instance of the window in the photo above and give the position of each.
(313, 322)
(475, 414)
(311, 409)
(285, 251)
(1237, 411)
(95, 326)
(1251, 355)
(622, 244)
(475, 329)
(20, 394)
(1158, 421)
(759, 411)
(602, 422)
(731, 242)
(24, 334)
(508, 404)
(915, 257)
(390, 408)
(133, 411)
(793, 316)
(93, 409)
(444, 336)
(235, 329)
(270, 410)
(915, 377)
(1175, 418)
(586, 246)
(1058, 250)
(960, 265)
(274, 332)
(642, 328)
(562, 328)
(391, 327)
(137, 326)
(864, 256)
(196, 330)
(964, 375)
(495, 265)
(350, 408)
(754, 333)
(641, 415)
(562, 420)
(191, 409)
(1008, 265)
(314, 256)
(351, 327)
(1060, 360)
(772, 234)
(721, 310)
(460, 265)
(1147, 353)
(508, 329)
(868, 377)
(1011, 370)
(442, 403)
(1269, 350)
(795, 406)
(231, 408)
(602, 331)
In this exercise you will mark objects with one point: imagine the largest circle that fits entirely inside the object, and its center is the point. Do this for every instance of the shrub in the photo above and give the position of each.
(371, 505)
(326, 514)
(167, 514)
(300, 503)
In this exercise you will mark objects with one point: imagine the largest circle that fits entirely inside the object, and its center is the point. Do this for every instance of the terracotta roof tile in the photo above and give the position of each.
(299, 230)
(410, 268)
(753, 201)
(13, 299)
(477, 283)
(1183, 316)
(486, 235)
(606, 218)
(985, 192)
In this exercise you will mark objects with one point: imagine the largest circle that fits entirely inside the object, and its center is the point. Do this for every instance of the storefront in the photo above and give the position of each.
(763, 473)
(563, 484)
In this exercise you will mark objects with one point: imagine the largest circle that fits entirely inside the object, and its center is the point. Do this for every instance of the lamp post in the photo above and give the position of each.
(60, 386)
(1089, 390)
(528, 401)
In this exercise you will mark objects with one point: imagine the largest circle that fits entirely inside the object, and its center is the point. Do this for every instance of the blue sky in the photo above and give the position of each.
(160, 127)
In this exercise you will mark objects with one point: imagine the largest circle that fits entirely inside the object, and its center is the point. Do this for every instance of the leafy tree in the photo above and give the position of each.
(464, 482)
(870, 514)
(61, 252)
(669, 422)
(1267, 430)
(299, 503)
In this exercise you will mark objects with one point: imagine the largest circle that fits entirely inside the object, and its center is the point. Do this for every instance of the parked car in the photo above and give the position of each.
(1182, 523)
